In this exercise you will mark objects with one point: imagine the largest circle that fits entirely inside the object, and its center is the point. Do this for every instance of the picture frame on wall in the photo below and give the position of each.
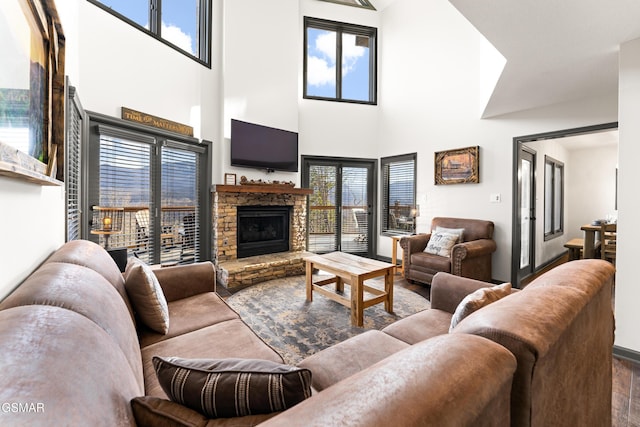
(458, 166)
(230, 179)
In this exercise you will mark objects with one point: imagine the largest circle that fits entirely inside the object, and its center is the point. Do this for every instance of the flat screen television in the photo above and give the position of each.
(263, 147)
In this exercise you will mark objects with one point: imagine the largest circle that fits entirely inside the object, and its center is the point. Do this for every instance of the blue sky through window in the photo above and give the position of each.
(321, 65)
(179, 19)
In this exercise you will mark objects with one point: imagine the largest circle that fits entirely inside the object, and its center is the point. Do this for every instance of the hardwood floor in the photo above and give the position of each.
(626, 394)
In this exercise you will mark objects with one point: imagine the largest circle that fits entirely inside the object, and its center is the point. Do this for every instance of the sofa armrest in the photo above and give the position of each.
(447, 290)
(183, 281)
(472, 249)
(415, 243)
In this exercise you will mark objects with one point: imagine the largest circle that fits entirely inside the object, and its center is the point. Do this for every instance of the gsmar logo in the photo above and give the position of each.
(22, 407)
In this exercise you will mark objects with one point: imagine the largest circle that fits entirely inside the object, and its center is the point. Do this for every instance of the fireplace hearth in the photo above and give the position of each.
(262, 230)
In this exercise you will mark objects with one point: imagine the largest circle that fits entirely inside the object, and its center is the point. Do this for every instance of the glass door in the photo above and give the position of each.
(527, 213)
(340, 207)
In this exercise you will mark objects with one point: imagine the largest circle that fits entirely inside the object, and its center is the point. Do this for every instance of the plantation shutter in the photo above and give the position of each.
(398, 193)
(73, 163)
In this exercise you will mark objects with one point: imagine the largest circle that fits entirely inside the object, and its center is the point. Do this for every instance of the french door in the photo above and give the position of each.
(161, 185)
(340, 212)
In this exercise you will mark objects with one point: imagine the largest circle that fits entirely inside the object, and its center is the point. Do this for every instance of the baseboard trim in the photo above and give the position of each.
(625, 353)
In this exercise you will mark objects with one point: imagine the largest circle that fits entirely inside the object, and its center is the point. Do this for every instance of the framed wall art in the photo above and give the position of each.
(457, 166)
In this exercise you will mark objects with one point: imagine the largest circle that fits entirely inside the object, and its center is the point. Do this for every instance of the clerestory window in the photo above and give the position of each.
(184, 25)
(339, 61)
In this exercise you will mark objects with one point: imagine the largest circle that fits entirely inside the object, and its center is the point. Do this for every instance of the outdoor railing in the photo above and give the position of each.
(177, 231)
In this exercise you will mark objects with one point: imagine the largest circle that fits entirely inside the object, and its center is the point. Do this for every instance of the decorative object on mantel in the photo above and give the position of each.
(229, 179)
(284, 184)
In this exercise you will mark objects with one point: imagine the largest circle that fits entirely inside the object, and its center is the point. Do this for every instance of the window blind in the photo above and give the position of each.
(180, 203)
(125, 171)
(73, 163)
(398, 193)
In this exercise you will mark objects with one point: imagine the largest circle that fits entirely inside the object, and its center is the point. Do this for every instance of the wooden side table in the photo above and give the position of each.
(394, 254)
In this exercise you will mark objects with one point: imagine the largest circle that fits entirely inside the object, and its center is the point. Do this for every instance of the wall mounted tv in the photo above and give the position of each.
(263, 147)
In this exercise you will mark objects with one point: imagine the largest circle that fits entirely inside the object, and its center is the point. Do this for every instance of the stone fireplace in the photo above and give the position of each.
(231, 203)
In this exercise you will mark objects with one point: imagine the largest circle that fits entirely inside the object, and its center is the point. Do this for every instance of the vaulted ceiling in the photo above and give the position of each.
(555, 51)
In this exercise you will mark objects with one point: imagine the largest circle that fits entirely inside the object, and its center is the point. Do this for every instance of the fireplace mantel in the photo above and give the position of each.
(267, 189)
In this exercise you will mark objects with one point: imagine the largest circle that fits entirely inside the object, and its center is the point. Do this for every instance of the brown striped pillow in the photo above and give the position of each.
(224, 388)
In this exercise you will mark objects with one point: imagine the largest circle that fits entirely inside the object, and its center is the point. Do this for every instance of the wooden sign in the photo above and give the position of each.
(157, 122)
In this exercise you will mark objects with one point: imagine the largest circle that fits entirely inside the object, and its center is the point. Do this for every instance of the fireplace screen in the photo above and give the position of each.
(262, 230)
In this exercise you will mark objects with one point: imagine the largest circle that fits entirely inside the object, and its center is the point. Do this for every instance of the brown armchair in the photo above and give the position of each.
(469, 258)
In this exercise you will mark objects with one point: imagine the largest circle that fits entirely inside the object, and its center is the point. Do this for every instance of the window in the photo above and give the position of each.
(339, 61)
(398, 193)
(553, 198)
(160, 181)
(182, 24)
(357, 3)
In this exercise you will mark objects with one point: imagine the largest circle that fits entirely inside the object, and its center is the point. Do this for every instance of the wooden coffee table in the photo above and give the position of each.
(352, 270)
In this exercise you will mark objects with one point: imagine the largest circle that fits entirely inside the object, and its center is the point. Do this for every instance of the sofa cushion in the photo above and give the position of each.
(91, 255)
(441, 243)
(420, 326)
(344, 359)
(146, 295)
(156, 412)
(86, 292)
(457, 231)
(67, 366)
(232, 338)
(478, 299)
(190, 314)
(223, 388)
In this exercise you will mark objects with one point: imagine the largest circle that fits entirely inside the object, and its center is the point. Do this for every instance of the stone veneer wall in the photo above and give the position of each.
(225, 219)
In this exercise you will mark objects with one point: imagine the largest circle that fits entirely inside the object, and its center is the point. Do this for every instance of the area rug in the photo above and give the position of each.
(278, 312)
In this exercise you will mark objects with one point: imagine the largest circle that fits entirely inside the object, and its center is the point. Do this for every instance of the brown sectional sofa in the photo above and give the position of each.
(72, 352)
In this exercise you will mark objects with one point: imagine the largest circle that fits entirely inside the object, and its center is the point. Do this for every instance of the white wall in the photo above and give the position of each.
(627, 289)
(334, 128)
(590, 187)
(32, 226)
(430, 91)
(261, 53)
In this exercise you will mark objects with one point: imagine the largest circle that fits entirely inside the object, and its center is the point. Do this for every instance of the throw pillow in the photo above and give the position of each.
(458, 231)
(440, 243)
(153, 412)
(478, 299)
(224, 388)
(146, 295)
